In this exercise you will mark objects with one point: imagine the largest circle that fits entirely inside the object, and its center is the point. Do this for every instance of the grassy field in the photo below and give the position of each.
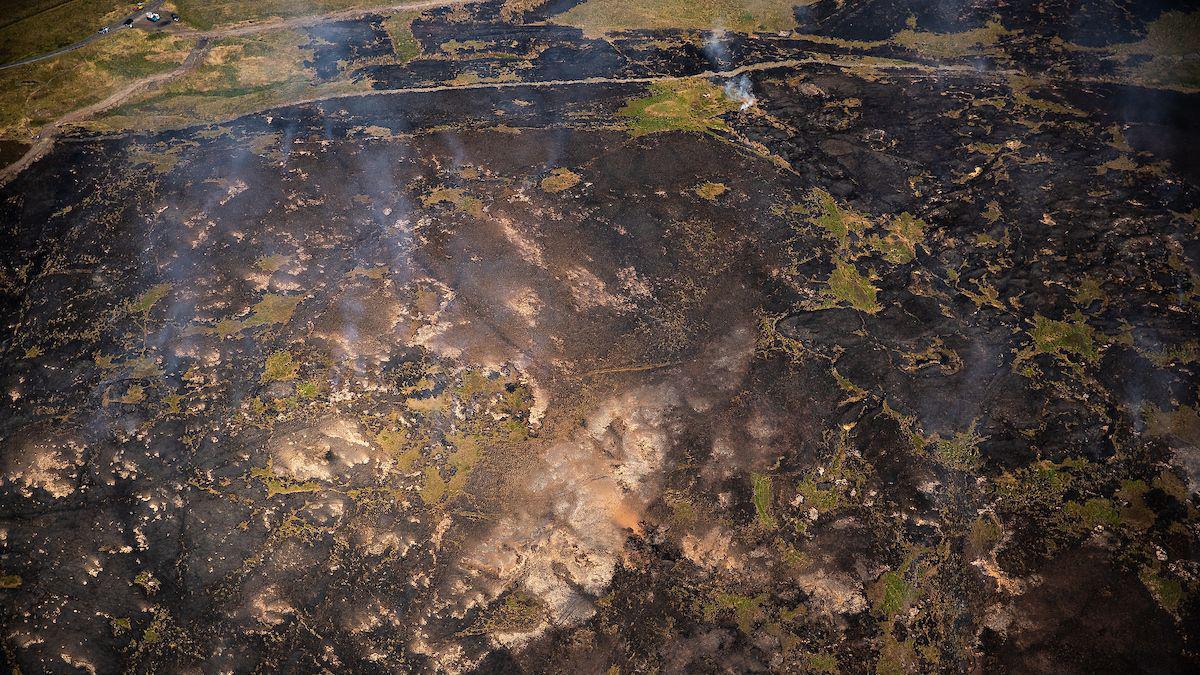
(43, 25)
(12, 11)
(208, 14)
(1171, 44)
(238, 74)
(683, 105)
(949, 45)
(41, 92)
(596, 17)
(243, 74)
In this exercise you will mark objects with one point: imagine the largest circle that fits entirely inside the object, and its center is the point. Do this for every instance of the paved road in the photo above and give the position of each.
(116, 25)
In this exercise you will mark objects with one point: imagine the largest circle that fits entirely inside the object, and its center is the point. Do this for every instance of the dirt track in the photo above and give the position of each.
(245, 29)
(46, 137)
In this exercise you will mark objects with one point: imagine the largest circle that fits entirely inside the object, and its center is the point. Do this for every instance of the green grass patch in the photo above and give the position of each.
(280, 366)
(433, 488)
(904, 234)
(820, 495)
(1171, 34)
(400, 447)
(821, 663)
(960, 451)
(238, 75)
(277, 485)
(1086, 516)
(893, 593)
(404, 44)
(271, 263)
(1182, 424)
(307, 391)
(272, 309)
(747, 611)
(150, 298)
(710, 190)
(684, 105)
(1068, 339)
(456, 197)
(761, 485)
(840, 222)
(520, 612)
(848, 286)
(948, 45)
(1167, 591)
(468, 450)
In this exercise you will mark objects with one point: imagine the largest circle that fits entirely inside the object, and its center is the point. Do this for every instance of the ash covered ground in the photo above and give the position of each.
(674, 350)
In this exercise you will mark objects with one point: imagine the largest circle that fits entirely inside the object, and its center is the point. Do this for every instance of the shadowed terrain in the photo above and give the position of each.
(610, 337)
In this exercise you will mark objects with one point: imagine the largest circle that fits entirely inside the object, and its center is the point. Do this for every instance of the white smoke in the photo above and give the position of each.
(736, 88)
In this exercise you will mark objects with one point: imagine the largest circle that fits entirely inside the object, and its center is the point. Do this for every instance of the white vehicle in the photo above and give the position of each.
(153, 16)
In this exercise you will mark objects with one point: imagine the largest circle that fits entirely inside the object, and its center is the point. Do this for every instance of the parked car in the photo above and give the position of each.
(174, 16)
(128, 23)
(153, 17)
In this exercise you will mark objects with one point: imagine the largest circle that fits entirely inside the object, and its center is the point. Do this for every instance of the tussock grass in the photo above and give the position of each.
(596, 17)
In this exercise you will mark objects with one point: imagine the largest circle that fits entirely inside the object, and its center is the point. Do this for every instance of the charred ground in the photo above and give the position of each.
(872, 348)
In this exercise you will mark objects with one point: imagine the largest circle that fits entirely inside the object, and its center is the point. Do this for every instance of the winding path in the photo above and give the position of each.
(244, 29)
(45, 138)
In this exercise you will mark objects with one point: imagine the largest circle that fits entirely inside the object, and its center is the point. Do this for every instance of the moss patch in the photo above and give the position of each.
(761, 485)
(280, 366)
(848, 286)
(1068, 339)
